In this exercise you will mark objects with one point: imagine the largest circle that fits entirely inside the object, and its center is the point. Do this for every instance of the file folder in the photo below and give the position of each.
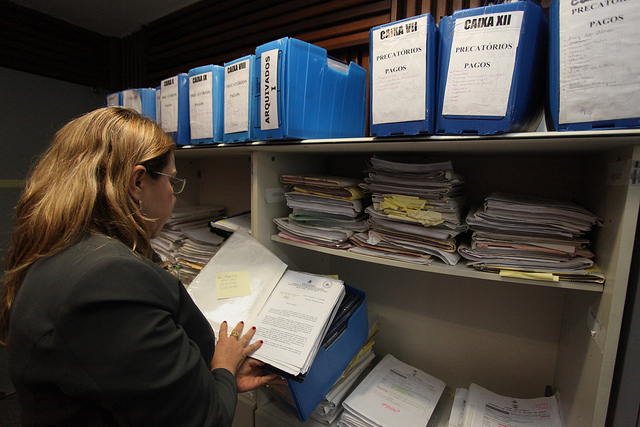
(331, 362)
(302, 93)
(206, 104)
(174, 108)
(594, 54)
(403, 57)
(492, 65)
(141, 100)
(239, 105)
(113, 100)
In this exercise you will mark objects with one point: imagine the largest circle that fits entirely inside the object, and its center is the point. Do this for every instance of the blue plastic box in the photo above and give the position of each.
(331, 362)
(239, 105)
(141, 100)
(113, 100)
(301, 93)
(174, 108)
(600, 88)
(403, 57)
(158, 104)
(492, 66)
(206, 104)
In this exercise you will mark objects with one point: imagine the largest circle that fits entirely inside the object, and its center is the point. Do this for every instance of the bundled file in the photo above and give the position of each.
(326, 210)
(479, 407)
(226, 226)
(393, 394)
(417, 211)
(532, 237)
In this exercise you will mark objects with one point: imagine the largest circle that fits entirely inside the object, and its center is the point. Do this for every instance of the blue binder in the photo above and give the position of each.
(113, 99)
(206, 104)
(141, 100)
(239, 105)
(158, 103)
(174, 108)
(391, 66)
(524, 104)
(331, 362)
(301, 93)
(618, 118)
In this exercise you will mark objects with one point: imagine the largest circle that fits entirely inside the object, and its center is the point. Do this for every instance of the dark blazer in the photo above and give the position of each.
(100, 335)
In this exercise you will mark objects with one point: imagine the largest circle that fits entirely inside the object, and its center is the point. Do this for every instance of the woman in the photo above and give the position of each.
(97, 333)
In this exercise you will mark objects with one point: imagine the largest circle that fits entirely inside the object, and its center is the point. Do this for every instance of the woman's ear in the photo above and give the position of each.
(135, 182)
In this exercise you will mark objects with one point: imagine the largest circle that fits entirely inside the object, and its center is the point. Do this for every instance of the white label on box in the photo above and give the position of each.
(399, 72)
(599, 60)
(236, 96)
(201, 105)
(169, 104)
(481, 64)
(113, 100)
(274, 195)
(269, 90)
(131, 99)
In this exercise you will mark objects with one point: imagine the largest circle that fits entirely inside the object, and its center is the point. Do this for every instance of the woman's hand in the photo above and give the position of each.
(232, 350)
(250, 377)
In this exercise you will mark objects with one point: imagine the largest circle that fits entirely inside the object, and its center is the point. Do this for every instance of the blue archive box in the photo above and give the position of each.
(141, 100)
(402, 58)
(331, 362)
(205, 104)
(596, 86)
(158, 104)
(492, 69)
(174, 108)
(113, 100)
(301, 93)
(239, 105)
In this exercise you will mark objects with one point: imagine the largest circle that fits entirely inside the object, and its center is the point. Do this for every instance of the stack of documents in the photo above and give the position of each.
(326, 210)
(392, 394)
(185, 243)
(227, 225)
(291, 311)
(530, 237)
(417, 212)
(479, 407)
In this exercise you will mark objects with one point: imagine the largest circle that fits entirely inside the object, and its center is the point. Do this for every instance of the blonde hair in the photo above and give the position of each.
(80, 185)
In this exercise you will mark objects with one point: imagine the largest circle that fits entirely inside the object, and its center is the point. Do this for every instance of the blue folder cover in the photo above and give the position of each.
(525, 98)
(553, 100)
(239, 102)
(397, 30)
(206, 121)
(146, 97)
(331, 362)
(174, 109)
(301, 93)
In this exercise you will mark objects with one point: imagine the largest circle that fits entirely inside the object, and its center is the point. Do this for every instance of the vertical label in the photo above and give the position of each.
(169, 104)
(113, 100)
(399, 72)
(201, 105)
(599, 60)
(236, 96)
(269, 90)
(131, 99)
(481, 64)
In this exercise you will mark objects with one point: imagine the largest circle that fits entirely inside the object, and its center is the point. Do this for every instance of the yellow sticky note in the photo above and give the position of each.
(233, 284)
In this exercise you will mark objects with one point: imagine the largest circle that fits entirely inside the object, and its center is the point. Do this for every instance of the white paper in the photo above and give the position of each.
(269, 90)
(292, 320)
(456, 418)
(113, 100)
(201, 105)
(487, 409)
(236, 96)
(399, 72)
(395, 394)
(481, 65)
(169, 104)
(131, 99)
(599, 60)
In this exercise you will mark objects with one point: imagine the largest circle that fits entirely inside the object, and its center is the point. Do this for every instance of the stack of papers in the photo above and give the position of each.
(185, 243)
(392, 394)
(533, 238)
(479, 407)
(326, 210)
(417, 212)
(227, 225)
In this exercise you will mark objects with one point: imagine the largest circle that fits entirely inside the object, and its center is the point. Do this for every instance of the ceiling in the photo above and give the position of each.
(116, 18)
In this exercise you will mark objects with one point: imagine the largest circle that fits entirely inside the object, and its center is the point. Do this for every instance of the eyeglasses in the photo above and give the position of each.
(176, 183)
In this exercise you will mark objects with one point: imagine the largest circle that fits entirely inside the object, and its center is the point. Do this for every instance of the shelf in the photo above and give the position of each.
(458, 270)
